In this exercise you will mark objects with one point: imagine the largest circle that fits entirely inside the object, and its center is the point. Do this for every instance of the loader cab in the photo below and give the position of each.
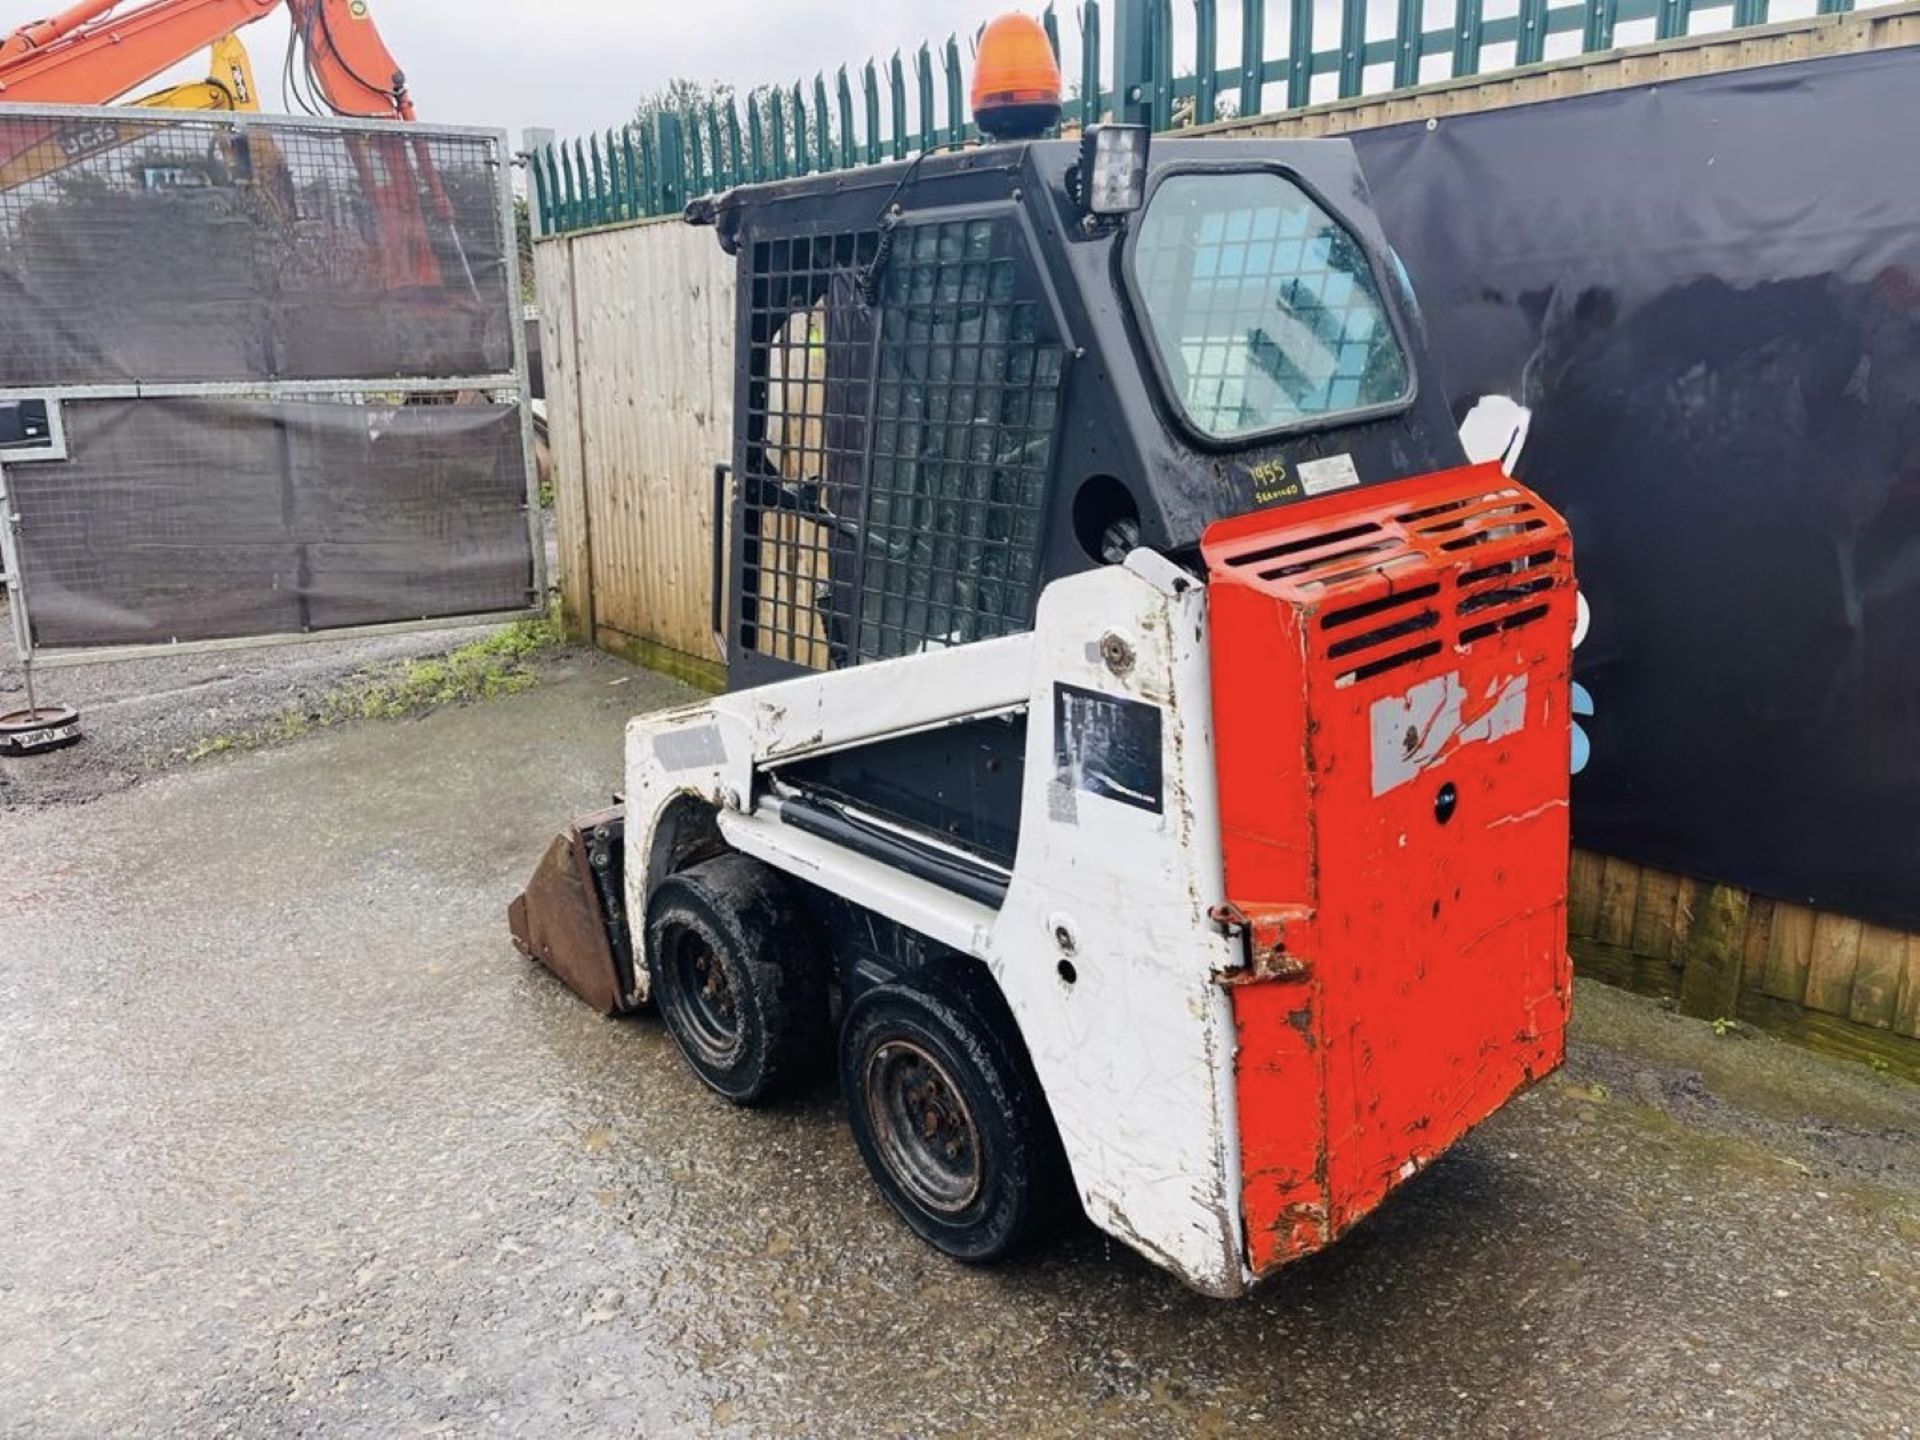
(962, 376)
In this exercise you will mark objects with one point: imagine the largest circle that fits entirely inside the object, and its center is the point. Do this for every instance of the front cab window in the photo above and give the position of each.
(1262, 309)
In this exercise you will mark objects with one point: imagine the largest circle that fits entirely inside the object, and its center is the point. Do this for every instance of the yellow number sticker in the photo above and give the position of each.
(1271, 482)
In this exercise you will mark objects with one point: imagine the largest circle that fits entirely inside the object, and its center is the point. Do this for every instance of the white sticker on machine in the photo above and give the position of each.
(1332, 472)
(1417, 729)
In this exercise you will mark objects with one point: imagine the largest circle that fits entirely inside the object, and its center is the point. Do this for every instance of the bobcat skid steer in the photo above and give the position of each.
(1144, 772)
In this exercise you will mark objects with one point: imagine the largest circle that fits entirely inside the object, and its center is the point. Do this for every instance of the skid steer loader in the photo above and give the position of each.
(1144, 767)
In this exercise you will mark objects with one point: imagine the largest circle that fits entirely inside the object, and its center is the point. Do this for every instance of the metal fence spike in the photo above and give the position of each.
(802, 160)
(641, 170)
(1353, 47)
(1253, 54)
(923, 82)
(1300, 52)
(870, 96)
(956, 92)
(1090, 71)
(897, 96)
(843, 105)
(822, 125)
(1206, 60)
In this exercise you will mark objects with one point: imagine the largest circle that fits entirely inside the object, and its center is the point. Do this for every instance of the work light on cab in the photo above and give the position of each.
(1016, 80)
(1112, 175)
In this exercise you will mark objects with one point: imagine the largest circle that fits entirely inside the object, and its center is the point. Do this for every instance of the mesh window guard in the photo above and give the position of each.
(966, 396)
(902, 451)
(811, 352)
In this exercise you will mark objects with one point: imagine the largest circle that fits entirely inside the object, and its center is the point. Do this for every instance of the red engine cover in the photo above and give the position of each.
(1391, 673)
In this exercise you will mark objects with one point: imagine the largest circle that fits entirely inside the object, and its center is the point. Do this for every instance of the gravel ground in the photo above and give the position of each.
(142, 716)
(292, 1142)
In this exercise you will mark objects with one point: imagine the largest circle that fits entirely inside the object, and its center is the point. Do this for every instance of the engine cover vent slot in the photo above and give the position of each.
(1307, 568)
(1370, 583)
(1386, 663)
(1390, 601)
(1506, 622)
(1508, 567)
(1385, 635)
(1308, 542)
(1504, 594)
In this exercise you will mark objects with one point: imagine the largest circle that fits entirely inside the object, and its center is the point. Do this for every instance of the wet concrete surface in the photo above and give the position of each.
(292, 1142)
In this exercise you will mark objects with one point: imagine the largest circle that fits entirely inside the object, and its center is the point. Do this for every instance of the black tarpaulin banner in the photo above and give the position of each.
(203, 518)
(1707, 292)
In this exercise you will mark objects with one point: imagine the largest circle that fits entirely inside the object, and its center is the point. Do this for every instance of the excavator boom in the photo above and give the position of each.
(96, 52)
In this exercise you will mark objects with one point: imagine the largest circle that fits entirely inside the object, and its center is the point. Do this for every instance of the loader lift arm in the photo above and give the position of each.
(94, 52)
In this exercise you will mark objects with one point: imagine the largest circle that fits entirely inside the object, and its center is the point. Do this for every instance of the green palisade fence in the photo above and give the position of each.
(803, 129)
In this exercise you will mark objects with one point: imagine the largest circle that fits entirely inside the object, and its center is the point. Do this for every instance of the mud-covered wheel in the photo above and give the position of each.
(738, 976)
(949, 1118)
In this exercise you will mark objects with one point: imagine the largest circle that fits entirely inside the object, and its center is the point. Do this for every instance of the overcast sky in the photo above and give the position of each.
(578, 65)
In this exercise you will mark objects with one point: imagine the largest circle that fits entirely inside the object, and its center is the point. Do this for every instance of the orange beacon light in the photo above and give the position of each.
(1016, 80)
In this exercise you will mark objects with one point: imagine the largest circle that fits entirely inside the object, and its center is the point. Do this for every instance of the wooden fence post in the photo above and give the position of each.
(1711, 953)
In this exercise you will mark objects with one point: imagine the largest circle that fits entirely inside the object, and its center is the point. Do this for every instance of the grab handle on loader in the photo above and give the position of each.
(716, 598)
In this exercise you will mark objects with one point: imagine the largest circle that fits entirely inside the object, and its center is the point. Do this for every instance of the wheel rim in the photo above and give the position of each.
(707, 1003)
(926, 1132)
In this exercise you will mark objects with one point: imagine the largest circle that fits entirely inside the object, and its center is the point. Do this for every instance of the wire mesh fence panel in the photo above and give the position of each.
(177, 250)
(286, 364)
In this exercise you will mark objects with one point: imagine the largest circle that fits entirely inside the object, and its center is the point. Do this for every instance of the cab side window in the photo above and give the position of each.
(1261, 307)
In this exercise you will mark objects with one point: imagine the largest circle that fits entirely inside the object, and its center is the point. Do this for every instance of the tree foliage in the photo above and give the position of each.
(681, 96)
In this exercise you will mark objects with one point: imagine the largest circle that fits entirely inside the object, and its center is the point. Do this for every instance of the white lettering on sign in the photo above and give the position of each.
(1412, 731)
(1334, 472)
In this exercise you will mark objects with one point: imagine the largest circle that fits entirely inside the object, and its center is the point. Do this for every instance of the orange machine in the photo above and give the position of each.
(95, 52)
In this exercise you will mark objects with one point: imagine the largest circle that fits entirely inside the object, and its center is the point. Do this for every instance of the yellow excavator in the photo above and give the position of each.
(228, 86)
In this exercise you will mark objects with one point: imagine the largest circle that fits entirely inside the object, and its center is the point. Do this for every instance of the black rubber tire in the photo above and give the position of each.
(967, 1035)
(731, 924)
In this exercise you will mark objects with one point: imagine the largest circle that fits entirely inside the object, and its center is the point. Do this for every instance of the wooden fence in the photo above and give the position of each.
(639, 360)
(637, 326)
(1830, 982)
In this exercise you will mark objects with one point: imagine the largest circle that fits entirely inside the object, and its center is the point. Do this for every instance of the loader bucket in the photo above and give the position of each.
(572, 915)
